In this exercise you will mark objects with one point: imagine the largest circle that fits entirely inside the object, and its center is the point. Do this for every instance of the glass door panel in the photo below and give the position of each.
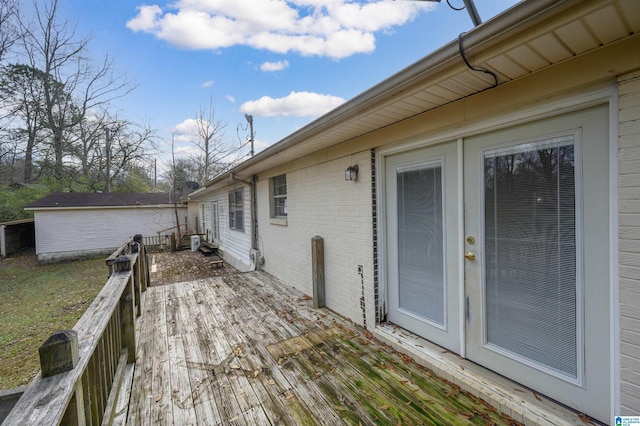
(420, 241)
(530, 252)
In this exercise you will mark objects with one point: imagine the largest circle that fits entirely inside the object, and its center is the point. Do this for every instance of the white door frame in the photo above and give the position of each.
(606, 93)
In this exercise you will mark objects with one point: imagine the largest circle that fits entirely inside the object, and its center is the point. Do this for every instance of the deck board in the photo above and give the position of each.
(247, 349)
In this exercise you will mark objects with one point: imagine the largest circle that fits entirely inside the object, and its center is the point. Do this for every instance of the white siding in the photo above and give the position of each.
(68, 233)
(629, 237)
(234, 245)
(320, 202)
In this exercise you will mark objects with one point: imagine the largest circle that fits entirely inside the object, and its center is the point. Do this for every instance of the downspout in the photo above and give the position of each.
(254, 243)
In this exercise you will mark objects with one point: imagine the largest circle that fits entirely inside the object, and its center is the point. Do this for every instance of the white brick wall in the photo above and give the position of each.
(235, 245)
(629, 236)
(320, 202)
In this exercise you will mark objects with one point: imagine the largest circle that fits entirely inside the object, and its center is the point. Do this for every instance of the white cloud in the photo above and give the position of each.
(207, 84)
(230, 98)
(186, 131)
(296, 104)
(274, 66)
(331, 28)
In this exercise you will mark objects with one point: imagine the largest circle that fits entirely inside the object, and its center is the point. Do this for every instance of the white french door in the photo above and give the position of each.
(423, 243)
(537, 198)
(536, 253)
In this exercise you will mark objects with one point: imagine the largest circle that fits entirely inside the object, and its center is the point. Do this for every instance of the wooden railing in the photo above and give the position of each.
(83, 370)
(176, 229)
(159, 243)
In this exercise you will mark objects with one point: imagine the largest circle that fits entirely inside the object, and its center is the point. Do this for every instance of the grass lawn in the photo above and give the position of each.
(37, 300)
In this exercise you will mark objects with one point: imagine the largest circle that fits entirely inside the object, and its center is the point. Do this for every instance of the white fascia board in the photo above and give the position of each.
(155, 206)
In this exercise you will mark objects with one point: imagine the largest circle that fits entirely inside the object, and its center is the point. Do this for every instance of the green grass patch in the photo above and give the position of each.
(37, 300)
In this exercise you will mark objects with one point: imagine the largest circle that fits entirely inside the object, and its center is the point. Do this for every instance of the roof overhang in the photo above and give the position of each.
(529, 37)
(143, 206)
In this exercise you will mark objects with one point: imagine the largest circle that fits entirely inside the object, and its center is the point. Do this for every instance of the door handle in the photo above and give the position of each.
(470, 256)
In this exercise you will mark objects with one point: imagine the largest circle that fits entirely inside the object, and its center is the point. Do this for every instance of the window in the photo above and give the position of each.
(236, 209)
(279, 196)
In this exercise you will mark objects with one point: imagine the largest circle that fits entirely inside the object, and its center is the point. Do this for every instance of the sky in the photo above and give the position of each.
(285, 62)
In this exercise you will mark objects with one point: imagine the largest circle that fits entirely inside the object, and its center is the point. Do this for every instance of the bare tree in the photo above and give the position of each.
(8, 28)
(21, 94)
(214, 151)
(74, 85)
(130, 144)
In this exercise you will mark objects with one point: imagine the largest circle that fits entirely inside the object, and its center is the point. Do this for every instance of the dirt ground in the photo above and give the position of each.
(172, 267)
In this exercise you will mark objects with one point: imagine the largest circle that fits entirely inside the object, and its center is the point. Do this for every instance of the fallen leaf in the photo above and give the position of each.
(235, 367)
(337, 407)
(584, 418)
(536, 395)
(271, 382)
(382, 407)
(288, 397)
(255, 373)
(159, 398)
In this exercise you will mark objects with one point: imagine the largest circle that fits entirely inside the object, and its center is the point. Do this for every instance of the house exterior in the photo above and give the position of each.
(73, 224)
(225, 218)
(496, 210)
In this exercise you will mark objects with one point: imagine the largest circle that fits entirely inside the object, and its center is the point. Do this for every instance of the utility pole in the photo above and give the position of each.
(250, 121)
(108, 153)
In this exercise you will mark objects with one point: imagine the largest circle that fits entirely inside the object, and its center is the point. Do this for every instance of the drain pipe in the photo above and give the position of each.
(254, 240)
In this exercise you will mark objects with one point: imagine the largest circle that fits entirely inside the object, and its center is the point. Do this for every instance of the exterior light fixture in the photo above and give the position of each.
(351, 173)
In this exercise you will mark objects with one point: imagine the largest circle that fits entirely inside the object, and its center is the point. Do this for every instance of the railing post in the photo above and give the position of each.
(317, 267)
(58, 354)
(142, 258)
(127, 315)
(135, 274)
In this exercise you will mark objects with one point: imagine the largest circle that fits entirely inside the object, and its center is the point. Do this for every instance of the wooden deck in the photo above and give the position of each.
(246, 349)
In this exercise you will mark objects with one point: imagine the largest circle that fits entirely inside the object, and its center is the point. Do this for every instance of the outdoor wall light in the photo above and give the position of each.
(351, 173)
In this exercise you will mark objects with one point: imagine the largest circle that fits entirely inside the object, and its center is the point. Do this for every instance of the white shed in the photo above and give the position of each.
(73, 224)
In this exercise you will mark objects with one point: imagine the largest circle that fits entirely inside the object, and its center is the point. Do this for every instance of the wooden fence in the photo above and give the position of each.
(84, 371)
(160, 243)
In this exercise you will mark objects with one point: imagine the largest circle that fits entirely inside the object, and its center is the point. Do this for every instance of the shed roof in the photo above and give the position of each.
(16, 222)
(98, 199)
